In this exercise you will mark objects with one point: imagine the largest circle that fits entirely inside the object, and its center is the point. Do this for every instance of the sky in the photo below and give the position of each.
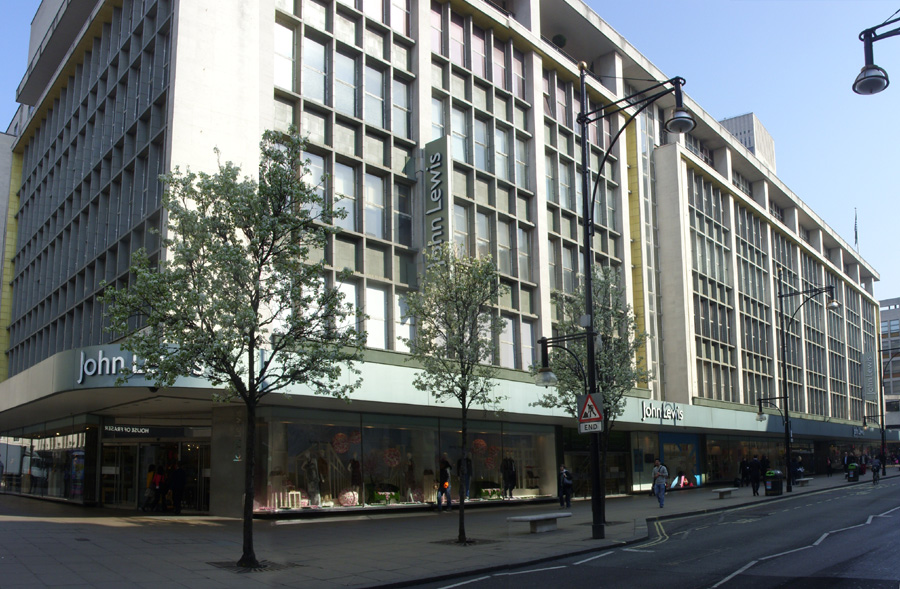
(792, 62)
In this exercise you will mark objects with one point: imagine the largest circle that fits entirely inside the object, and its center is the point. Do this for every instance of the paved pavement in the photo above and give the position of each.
(49, 544)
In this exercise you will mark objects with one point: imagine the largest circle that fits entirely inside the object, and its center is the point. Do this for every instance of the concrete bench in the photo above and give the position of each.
(804, 482)
(725, 492)
(545, 522)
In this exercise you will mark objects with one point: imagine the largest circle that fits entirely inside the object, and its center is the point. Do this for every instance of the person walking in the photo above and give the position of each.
(754, 468)
(178, 483)
(566, 484)
(149, 491)
(829, 466)
(444, 483)
(660, 476)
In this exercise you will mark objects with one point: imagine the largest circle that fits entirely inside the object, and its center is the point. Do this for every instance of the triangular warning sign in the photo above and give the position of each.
(589, 413)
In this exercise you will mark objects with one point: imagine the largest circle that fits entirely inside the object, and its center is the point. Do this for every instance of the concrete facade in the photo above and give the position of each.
(700, 225)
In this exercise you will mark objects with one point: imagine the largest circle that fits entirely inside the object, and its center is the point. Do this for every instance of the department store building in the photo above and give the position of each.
(117, 92)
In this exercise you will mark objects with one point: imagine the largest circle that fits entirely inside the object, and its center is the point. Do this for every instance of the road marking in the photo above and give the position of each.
(821, 538)
(464, 583)
(529, 571)
(593, 558)
(734, 574)
(636, 550)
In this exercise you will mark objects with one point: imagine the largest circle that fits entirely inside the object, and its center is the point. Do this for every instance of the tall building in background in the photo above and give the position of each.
(118, 92)
(750, 132)
(890, 361)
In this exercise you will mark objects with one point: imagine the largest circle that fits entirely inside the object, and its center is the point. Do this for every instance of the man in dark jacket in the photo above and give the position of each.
(566, 484)
(754, 468)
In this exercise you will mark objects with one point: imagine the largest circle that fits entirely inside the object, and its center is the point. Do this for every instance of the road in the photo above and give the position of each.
(839, 539)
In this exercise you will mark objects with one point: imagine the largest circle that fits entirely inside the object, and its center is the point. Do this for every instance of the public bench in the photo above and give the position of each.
(725, 492)
(544, 522)
(804, 482)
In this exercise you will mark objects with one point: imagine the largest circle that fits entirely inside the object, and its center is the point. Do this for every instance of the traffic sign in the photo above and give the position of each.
(587, 410)
(590, 420)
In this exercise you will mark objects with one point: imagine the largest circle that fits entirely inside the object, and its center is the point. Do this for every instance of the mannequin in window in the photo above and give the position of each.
(311, 471)
(410, 477)
(508, 471)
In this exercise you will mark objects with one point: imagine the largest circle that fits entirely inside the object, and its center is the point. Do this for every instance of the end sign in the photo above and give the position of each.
(590, 419)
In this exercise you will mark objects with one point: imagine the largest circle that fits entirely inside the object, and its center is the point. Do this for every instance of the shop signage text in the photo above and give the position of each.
(664, 411)
(437, 190)
(104, 365)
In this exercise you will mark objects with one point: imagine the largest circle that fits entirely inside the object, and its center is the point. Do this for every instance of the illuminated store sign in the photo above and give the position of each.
(104, 365)
(661, 411)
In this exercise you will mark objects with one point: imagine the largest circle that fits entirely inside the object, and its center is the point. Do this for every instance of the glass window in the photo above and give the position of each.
(437, 118)
(523, 246)
(461, 228)
(499, 73)
(351, 320)
(403, 322)
(345, 84)
(401, 109)
(518, 71)
(460, 130)
(437, 28)
(400, 16)
(374, 206)
(284, 57)
(374, 104)
(482, 235)
(570, 263)
(527, 344)
(376, 324)
(315, 71)
(550, 178)
(479, 52)
(508, 343)
(402, 214)
(562, 103)
(504, 247)
(566, 193)
(552, 264)
(501, 155)
(548, 106)
(457, 40)
(345, 195)
(522, 175)
(481, 144)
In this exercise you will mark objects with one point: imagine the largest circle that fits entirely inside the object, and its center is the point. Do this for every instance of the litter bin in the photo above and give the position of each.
(774, 482)
(852, 472)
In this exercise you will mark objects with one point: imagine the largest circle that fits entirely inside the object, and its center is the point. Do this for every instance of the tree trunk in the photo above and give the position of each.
(462, 480)
(248, 558)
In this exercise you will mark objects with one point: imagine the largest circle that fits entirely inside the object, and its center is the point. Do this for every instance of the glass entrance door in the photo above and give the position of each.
(195, 460)
(118, 483)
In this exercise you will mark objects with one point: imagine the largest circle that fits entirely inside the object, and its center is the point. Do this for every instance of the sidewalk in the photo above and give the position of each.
(51, 544)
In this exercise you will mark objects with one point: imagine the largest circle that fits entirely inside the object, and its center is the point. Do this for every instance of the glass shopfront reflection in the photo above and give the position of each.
(313, 459)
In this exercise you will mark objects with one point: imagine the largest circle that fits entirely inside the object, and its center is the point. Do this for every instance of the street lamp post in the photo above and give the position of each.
(681, 122)
(808, 295)
(873, 79)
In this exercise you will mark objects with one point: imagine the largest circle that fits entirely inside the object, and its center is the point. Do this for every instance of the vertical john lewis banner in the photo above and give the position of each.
(437, 191)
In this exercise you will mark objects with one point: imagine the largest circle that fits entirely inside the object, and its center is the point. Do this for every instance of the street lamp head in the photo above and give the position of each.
(871, 80)
(545, 378)
(761, 416)
(865, 425)
(833, 304)
(681, 122)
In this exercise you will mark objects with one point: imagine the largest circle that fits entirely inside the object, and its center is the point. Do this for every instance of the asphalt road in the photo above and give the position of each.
(840, 539)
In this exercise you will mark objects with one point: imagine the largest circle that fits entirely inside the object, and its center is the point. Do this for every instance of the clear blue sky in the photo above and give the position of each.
(789, 61)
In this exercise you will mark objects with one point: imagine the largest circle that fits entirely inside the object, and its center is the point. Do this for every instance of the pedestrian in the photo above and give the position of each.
(149, 492)
(754, 468)
(744, 467)
(828, 465)
(846, 464)
(566, 484)
(178, 482)
(444, 483)
(660, 476)
(159, 490)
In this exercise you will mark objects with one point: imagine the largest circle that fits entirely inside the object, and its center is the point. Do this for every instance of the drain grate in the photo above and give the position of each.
(265, 566)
